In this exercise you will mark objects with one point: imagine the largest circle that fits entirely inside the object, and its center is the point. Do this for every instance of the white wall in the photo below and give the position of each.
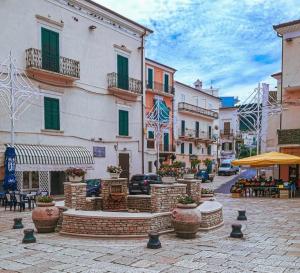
(87, 109)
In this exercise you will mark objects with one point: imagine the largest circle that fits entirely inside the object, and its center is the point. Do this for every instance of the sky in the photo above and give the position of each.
(230, 44)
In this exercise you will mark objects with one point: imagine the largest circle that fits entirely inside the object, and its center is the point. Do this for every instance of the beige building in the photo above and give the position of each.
(289, 94)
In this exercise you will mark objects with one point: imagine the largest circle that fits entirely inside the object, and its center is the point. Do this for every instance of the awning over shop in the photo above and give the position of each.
(51, 158)
(268, 159)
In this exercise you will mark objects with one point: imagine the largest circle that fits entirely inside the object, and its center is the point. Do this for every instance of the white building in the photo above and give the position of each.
(87, 63)
(196, 112)
(229, 132)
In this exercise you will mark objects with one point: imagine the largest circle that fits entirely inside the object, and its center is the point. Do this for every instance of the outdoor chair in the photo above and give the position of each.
(9, 201)
(19, 201)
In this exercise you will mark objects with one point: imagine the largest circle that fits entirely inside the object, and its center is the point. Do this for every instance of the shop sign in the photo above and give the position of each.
(98, 151)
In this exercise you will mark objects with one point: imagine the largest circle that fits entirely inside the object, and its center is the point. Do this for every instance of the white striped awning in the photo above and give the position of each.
(56, 158)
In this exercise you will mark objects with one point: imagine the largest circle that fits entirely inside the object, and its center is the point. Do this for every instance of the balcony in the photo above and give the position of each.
(194, 135)
(51, 69)
(160, 88)
(226, 133)
(193, 109)
(288, 136)
(123, 86)
(167, 148)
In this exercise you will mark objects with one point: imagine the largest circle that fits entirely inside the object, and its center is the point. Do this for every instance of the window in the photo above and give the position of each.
(150, 78)
(182, 148)
(209, 132)
(183, 127)
(150, 134)
(190, 148)
(122, 66)
(149, 166)
(209, 149)
(123, 123)
(30, 180)
(51, 113)
(226, 128)
(230, 146)
(166, 142)
(197, 129)
(50, 50)
(166, 83)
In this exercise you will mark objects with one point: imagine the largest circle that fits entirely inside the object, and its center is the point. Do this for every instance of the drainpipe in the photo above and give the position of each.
(281, 89)
(142, 102)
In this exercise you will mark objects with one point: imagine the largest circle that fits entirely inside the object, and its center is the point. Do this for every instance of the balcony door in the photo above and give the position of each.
(122, 66)
(50, 50)
(226, 128)
(166, 142)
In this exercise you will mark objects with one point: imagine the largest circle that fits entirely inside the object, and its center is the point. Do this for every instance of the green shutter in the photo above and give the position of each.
(183, 127)
(150, 78)
(190, 148)
(50, 50)
(182, 148)
(197, 128)
(123, 123)
(150, 134)
(122, 66)
(51, 113)
(166, 83)
(166, 142)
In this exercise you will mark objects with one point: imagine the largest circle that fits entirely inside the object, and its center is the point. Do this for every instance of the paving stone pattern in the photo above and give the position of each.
(271, 244)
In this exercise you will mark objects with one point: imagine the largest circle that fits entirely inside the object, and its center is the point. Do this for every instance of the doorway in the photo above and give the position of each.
(124, 164)
(57, 183)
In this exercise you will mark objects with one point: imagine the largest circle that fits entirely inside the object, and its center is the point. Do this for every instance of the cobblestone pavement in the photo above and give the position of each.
(271, 244)
(218, 182)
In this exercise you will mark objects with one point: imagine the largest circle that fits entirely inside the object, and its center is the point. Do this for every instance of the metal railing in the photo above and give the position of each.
(289, 136)
(226, 132)
(166, 148)
(125, 83)
(160, 87)
(63, 66)
(191, 133)
(196, 109)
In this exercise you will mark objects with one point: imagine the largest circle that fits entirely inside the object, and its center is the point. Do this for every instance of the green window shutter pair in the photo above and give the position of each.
(166, 141)
(150, 78)
(50, 50)
(182, 148)
(51, 112)
(122, 66)
(183, 127)
(166, 83)
(123, 123)
(190, 148)
(150, 134)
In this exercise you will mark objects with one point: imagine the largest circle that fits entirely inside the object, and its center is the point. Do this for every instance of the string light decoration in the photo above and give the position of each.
(159, 119)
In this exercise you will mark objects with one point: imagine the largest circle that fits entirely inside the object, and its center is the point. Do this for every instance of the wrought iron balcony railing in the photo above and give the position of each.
(226, 132)
(195, 134)
(61, 65)
(160, 87)
(167, 148)
(289, 136)
(183, 106)
(116, 80)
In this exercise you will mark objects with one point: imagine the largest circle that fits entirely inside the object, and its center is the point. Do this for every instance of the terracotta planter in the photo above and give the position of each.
(186, 220)
(75, 179)
(189, 176)
(114, 175)
(168, 179)
(45, 217)
(236, 195)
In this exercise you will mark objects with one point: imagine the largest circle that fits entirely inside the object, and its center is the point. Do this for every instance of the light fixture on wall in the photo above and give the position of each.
(92, 27)
(116, 146)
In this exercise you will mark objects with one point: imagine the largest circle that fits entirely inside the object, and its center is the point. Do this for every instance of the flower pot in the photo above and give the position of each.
(75, 179)
(168, 179)
(189, 176)
(45, 217)
(114, 175)
(186, 219)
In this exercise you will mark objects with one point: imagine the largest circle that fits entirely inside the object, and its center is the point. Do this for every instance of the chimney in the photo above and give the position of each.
(198, 84)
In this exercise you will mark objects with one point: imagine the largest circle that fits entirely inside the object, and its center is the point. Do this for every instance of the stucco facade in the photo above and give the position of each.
(196, 122)
(88, 106)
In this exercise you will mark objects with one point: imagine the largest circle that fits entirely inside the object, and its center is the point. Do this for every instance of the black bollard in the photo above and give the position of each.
(18, 223)
(236, 231)
(28, 236)
(242, 215)
(153, 242)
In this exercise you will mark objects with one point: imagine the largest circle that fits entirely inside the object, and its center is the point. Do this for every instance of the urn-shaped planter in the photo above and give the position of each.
(75, 178)
(114, 175)
(168, 179)
(45, 217)
(186, 219)
(188, 176)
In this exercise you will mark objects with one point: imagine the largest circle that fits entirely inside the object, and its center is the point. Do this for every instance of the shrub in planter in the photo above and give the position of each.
(75, 174)
(114, 171)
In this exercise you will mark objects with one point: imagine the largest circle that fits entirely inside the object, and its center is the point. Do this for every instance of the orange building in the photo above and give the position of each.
(159, 84)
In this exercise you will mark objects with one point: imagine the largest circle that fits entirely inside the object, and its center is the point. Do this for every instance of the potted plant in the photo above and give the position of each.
(189, 173)
(207, 192)
(75, 174)
(168, 174)
(236, 191)
(45, 215)
(114, 171)
(186, 217)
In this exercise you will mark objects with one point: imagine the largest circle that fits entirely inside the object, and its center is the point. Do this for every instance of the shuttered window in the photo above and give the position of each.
(51, 112)
(150, 78)
(122, 66)
(123, 123)
(166, 83)
(197, 128)
(150, 134)
(209, 149)
(182, 148)
(50, 50)
(190, 148)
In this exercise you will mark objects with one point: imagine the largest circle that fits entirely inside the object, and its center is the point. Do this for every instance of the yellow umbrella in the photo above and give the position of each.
(268, 159)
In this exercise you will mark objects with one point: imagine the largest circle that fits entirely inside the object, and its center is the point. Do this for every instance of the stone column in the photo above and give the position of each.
(193, 188)
(75, 195)
(114, 194)
(164, 196)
